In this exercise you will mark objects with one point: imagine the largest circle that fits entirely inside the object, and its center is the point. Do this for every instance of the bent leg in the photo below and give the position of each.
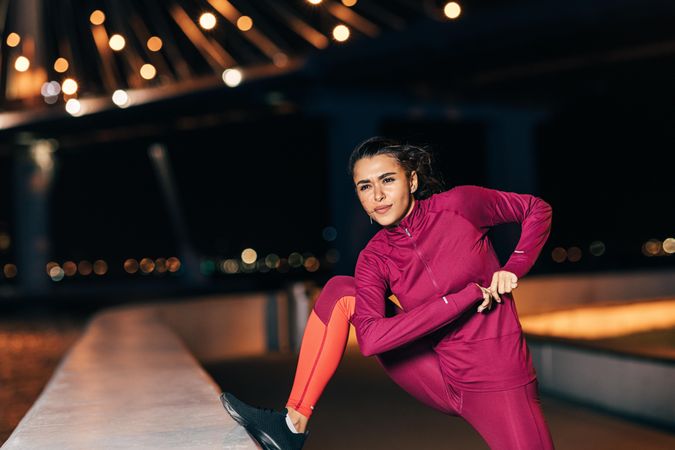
(414, 367)
(508, 420)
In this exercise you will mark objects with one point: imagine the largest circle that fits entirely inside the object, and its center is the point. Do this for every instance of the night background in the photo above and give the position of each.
(164, 196)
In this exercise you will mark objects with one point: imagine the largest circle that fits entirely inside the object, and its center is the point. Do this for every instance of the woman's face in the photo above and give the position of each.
(383, 188)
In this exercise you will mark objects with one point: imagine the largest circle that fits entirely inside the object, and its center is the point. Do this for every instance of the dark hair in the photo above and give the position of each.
(410, 157)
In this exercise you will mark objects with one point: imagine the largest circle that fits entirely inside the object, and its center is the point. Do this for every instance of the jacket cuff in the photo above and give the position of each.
(465, 298)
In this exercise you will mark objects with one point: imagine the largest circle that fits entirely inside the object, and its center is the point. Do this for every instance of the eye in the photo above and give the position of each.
(388, 179)
(363, 187)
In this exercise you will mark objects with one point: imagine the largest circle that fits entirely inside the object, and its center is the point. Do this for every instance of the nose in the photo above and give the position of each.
(378, 193)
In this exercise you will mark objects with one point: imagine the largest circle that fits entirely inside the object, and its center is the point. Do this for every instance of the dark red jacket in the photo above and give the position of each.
(430, 262)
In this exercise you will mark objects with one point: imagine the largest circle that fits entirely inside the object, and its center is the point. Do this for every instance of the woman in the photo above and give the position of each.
(446, 344)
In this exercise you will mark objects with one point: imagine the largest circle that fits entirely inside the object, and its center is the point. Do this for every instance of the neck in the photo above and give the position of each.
(410, 208)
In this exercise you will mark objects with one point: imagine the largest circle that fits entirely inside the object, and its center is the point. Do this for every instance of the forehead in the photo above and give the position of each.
(371, 167)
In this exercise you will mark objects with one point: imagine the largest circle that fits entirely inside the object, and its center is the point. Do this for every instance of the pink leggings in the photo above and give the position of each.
(508, 420)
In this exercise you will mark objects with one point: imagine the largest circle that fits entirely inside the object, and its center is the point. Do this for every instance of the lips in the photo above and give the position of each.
(382, 209)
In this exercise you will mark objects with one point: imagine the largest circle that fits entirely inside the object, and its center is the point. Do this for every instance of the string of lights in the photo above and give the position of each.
(122, 52)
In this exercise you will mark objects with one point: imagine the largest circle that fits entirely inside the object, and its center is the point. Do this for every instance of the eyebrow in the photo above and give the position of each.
(379, 178)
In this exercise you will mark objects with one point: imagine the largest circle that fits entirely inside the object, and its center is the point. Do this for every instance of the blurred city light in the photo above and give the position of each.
(117, 42)
(244, 23)
(154, 44)
(100, 267)
(574, 254)
(120, 98)
(248, 256)
(559, 254)
(13, 39)
(22, 64)
(97, 17)
(329, 233)
(232, 77)
(295, 259)
(61, 65)
(597, 248)
(130, 265)
(452, 10)
(207, 21)
(341, 33)
(84, 267)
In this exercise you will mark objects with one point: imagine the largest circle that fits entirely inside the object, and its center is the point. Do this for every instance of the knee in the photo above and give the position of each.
(337, 287)
(340, 286)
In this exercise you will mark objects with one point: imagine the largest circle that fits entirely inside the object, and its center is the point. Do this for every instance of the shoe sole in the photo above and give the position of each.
(264, 439)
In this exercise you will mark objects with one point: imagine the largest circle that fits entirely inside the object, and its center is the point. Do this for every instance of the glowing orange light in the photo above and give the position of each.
(13, 39)
(131, 265)
(148, 71)
(155, 44)
(97, 17)
(61, 65)
(244, 23)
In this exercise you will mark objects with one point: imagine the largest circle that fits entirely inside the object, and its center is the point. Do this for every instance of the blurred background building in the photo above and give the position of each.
(154, 149)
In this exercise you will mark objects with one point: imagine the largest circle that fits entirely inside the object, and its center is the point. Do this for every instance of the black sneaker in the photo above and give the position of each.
(267, 426)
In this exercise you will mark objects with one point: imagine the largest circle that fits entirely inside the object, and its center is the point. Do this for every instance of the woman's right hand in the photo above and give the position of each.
(487, 299)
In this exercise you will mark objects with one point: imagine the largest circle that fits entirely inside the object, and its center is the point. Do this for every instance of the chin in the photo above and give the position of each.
(386, 222)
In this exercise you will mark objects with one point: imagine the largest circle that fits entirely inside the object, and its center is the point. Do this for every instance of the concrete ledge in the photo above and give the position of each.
(130, 382)
(134, 381)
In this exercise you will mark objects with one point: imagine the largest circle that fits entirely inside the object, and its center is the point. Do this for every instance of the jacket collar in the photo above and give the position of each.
(412, 222)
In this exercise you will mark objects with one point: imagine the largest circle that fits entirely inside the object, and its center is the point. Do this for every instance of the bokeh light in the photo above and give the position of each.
(155, 44)
(232, 77)
(173, 264)
(597, 248)
(84, 267)
(22, 64)
(61, 65)
(117, 42)
(148, 71)
(147, 265)
(244, 23)
(130, 265)
(207, 21)
(559, 254)
(97, 17)
(249, 256)
(69, 86)
(341, 33)
(13, 39)
(452, 10)
(120, 98)
(100, 267)
(574, 254)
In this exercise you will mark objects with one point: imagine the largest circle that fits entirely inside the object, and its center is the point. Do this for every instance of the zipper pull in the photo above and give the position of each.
(407, 232)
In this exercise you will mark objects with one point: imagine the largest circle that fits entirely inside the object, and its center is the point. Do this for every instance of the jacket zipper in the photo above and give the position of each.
(426, 266)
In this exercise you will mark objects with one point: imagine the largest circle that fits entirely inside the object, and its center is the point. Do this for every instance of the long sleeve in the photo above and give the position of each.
(489, 207)
(377, 333)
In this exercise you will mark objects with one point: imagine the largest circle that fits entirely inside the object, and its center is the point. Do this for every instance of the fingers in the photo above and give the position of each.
(503, 282)
(494, 286)
(487, 301)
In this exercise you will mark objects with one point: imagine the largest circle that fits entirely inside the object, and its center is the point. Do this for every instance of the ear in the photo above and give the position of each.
(413, 181)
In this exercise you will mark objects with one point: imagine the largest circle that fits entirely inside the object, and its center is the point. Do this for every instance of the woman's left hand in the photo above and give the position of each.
(503, 282)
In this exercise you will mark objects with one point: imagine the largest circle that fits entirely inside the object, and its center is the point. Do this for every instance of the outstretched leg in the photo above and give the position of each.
(414, 367)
